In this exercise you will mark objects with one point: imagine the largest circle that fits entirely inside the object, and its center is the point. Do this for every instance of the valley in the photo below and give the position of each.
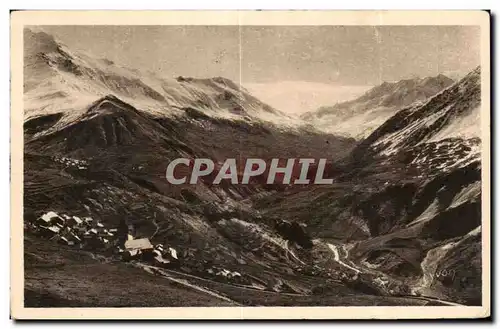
(404, 204)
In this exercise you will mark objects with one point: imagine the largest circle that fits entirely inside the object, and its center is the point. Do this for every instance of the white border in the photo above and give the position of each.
(320, 312)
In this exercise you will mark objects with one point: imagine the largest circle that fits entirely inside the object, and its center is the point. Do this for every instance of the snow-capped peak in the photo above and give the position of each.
(447, 126)
(361, 116)
(58, 80)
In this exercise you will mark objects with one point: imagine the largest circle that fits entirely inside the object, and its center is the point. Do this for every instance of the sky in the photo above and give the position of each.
(267, 58)
(297, 97)
(345, 55)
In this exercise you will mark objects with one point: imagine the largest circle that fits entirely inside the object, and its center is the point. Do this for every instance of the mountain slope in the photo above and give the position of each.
(441, 134)
(108, 122)
(408, 204)
(359, 117)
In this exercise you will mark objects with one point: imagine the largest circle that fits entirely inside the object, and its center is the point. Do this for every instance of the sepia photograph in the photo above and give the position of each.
(245, 163)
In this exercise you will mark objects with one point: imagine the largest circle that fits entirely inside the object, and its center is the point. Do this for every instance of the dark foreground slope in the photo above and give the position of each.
(58, 276)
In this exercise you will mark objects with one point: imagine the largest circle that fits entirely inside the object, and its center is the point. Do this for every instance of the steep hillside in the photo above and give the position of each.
(408, 203)
(439, 135)
(361, 116)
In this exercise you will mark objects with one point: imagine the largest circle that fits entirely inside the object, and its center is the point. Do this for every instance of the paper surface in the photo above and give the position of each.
(65, 162)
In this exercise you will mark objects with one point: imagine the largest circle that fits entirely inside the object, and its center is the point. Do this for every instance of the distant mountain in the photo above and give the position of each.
(443, 133)
(359, 117)
(58, 80)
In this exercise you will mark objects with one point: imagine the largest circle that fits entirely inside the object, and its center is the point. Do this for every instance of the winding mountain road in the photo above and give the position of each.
(343, 259)
(336, 257)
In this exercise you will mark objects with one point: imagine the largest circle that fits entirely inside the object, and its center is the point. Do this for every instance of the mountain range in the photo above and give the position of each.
(359, 117)
(57, 80)
(405, 204)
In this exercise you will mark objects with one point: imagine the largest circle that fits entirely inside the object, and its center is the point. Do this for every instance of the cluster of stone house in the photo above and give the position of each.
(73, 230)
(221, 272)
(91, 234)
(80, 164)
